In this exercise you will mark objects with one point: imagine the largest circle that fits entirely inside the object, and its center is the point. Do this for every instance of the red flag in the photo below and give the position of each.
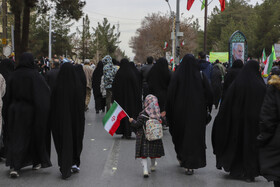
(189, 5)
(223, 5)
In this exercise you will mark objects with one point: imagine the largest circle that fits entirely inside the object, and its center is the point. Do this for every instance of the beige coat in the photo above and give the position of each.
(88, 72)
(2, 93)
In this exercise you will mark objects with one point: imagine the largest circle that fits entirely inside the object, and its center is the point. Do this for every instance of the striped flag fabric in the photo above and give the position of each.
(165, 45)
(223, 5)
(263, 56)
(203, 5)
(112, 119)
(189, 5)
(269, 62)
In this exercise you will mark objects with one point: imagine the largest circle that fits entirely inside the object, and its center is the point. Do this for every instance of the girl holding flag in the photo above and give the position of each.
(144, 148)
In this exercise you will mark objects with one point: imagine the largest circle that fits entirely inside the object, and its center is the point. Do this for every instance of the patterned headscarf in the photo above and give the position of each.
(107, 60)
(152, 107)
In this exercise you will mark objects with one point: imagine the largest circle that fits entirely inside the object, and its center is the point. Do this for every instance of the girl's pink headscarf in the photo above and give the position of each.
(152, 107)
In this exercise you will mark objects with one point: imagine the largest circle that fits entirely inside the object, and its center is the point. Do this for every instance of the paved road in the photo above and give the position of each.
(109, 162)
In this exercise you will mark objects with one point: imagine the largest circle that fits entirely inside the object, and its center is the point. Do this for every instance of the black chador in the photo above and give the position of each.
(127, 92)
(189, 97)
(28, 99)
(235, 128)
(67, 119)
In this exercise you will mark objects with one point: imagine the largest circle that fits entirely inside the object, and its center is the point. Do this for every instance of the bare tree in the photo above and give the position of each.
(156, 29)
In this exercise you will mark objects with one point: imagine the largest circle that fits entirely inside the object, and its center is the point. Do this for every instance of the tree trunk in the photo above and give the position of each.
(25, 29)
(17, 17)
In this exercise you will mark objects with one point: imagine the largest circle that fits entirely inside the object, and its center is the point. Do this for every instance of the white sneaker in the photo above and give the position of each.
(146, 174)
(14, 174)
(75, 169)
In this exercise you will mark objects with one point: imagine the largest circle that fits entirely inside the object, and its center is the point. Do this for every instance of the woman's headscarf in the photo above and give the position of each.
(26, 61)
(152, 107)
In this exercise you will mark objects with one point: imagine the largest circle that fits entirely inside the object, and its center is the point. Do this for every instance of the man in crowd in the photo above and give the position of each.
(144, 73)
(205, 66)
(109, 72)
(88, 72)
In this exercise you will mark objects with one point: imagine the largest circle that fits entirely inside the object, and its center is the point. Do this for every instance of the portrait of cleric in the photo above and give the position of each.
(237, 52)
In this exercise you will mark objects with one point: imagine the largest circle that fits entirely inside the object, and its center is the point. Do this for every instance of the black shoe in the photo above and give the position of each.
(103, 110)
(97, 112)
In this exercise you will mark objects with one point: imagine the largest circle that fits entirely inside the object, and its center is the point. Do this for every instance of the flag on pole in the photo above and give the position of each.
(263, 56)
(112, 119)
(189, 5)
(203, 5)
(223, 5)
(165, 45)
(269, 62)
(183, 43)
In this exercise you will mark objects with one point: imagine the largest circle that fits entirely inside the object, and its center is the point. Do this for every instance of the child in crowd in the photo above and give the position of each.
(144, 148)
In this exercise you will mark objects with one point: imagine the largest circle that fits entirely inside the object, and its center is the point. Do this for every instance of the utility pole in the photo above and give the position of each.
(205, 26)
(177, 57)
(174, 38)
(4, 37)
(50, 38)
(83, 38)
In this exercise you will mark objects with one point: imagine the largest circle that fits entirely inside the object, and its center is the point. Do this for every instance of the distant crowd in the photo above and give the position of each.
(41, 98)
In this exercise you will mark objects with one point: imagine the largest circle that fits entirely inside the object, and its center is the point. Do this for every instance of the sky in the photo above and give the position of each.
(129, 13)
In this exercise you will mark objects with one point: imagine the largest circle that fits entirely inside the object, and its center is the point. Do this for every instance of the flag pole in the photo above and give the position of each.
(122, 109)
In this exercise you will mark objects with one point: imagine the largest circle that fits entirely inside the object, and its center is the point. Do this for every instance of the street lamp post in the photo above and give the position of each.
(176, 32)
(173, 35)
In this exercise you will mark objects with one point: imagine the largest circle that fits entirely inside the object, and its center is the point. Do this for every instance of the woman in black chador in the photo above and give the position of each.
(158, 81)
(216, 82)
(28, 98)
(231, 75)
(100, 102)
(235, 128)
(67, 119)
(127, 92)
(189, 98)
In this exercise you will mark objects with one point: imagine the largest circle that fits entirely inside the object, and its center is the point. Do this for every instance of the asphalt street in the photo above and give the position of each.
(108, 161)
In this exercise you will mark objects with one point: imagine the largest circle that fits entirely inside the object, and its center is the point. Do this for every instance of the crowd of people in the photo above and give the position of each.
(245, 134)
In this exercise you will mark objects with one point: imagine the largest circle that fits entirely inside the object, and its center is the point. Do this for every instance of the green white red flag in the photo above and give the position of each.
(263, 56)
(165, 45)
(112, 119)
(269, 62)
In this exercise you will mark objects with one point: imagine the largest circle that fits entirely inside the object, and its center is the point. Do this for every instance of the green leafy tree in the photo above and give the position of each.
(39, 36)
(268, 26)
(85, 42)
(105, 39)
(22, 11)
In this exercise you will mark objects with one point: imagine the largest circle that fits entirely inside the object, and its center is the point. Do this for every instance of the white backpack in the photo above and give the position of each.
(153, 130)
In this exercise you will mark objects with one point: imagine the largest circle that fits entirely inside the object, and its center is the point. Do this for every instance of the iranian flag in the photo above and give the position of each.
(112, 119)
(263, 56)
(269, 62)
(165, 45)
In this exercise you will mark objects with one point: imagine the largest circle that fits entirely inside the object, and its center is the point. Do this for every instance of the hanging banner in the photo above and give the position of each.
(238, 47)
(221, 56)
